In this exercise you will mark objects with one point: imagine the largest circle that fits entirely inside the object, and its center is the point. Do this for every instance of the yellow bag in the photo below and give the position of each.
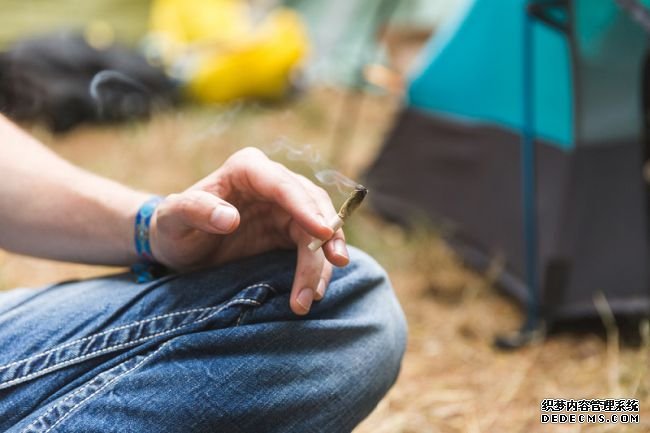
(221, 55)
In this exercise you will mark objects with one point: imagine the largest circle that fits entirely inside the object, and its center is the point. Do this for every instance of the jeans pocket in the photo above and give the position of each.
(147, 331)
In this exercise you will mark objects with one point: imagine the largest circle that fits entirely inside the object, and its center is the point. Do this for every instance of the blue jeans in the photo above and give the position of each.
(210, 351)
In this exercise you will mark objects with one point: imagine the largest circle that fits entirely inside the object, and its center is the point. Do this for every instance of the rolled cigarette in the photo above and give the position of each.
(335, 224)
(349, 206)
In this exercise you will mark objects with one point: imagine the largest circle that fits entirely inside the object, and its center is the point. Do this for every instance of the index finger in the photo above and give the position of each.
(250, 171)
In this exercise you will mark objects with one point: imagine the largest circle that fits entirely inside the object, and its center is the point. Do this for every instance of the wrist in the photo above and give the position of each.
(128, 233)
(154, 242)
(146, 268)
(142, 229)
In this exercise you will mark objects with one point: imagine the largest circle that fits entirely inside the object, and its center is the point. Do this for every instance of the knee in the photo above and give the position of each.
(322, 372)
(376, 331)
(370, 300)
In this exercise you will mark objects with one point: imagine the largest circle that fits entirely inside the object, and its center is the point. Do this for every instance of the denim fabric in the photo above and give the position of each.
(211, 351)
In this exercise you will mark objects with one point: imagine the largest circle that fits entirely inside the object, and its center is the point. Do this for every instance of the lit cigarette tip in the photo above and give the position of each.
(348, 207)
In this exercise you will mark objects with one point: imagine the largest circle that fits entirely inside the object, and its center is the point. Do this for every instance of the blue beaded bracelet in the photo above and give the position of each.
(146, 268)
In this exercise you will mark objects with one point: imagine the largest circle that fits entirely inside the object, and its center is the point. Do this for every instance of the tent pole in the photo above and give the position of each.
(531, 329)
(529, 177)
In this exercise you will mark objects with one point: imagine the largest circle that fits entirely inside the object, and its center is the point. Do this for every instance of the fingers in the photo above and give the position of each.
(250, 171)
(309, 270)
(336, 250)
(200, 210)
(249, 176)
(325, 276)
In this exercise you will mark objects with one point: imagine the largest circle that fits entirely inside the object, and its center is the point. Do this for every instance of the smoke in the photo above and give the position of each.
(281, 147)
(221, 123)
(332, 177)
(309, 156)
(224, 120)
(119, 96)
(292, 152)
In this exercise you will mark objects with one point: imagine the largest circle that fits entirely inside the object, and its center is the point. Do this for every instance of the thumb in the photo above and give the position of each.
(201, 210)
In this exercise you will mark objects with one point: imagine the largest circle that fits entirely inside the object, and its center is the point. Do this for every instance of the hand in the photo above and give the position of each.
(248, 206)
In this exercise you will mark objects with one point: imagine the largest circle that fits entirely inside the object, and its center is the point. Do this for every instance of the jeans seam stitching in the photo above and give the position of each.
(99, 334)
(122, 345)
(239, 318)
(119, 328)
(81, 389)
(76, 406)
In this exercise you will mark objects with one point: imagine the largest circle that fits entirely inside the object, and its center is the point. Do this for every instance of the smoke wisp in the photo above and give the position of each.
(308, 155)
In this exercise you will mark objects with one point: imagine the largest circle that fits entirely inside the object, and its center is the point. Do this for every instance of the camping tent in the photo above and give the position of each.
(522, 134)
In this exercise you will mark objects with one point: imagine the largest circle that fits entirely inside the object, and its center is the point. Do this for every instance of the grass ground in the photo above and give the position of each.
(452, 379)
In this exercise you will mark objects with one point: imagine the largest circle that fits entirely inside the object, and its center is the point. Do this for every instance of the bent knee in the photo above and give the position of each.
(376, 328)
(371, 301)
(368, 297)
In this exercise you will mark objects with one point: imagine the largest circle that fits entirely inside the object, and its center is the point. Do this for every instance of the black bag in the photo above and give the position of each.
(61, 80)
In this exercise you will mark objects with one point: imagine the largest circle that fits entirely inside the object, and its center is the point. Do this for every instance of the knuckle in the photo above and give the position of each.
(193, 195)
(181, 204)
(284, 172)
(173, 202)
(281, 191)
(249, 153)
(183, 207)
(322, 193)
(245, 158)
(282, 168)
(172, 198)
(297, 234)
(170, 208)
(312, 271)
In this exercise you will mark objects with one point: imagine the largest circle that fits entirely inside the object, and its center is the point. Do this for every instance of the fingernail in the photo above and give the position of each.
(320, 290)
(340, 248)
(223, 218)
(305, 298)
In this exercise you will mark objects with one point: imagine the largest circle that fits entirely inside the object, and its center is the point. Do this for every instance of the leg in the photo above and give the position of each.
(215, 350)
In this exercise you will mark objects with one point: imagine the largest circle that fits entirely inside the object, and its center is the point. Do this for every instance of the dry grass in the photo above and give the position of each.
(452, 379)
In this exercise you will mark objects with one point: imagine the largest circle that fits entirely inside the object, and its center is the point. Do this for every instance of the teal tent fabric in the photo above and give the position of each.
(472, 69)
